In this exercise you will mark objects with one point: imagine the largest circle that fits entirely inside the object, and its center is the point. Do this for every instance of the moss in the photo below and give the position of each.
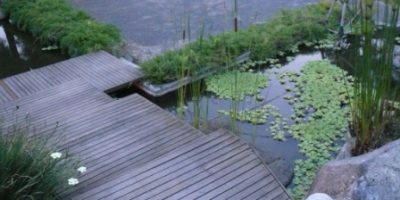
(55, 22)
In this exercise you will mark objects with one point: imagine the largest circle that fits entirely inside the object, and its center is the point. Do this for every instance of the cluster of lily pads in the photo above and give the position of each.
(236, 85)
(321, 97)
(278, 125)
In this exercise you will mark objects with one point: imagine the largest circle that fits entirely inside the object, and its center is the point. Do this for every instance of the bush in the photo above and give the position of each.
(27, 169)
(281, 33)
(55, 22)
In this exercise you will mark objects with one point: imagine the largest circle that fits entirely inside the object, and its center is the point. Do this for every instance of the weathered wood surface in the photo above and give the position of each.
(135, 150)
(102, 70)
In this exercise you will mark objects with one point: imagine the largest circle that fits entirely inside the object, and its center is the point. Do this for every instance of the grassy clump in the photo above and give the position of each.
(28, 169)
(55, 22)
(373, 114)
(283, 32)
(321, 100)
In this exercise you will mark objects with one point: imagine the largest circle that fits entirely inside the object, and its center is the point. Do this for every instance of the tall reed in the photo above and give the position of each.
(374, 87)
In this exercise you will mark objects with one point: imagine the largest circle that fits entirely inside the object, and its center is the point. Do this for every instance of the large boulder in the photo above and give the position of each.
(372, 176)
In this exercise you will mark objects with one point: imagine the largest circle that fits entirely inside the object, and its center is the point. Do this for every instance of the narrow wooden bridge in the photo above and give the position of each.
(132, 148)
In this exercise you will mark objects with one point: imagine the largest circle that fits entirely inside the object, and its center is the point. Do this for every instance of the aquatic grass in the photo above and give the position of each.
(56, 23)
(284, 32)
(321, 103)
(372, 114)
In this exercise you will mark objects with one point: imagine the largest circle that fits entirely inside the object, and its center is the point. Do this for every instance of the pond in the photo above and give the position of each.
(257, 135)
(19, 52)
(273, 94)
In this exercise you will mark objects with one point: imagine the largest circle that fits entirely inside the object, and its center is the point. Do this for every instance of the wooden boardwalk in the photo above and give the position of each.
(100, 69)
(135, 150)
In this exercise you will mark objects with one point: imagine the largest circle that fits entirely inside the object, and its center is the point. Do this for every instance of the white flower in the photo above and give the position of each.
(56, 155)
(82, 169)
(72, 181)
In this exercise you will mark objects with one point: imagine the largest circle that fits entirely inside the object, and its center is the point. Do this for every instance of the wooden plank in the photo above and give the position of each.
(282, 196)
(132, 148)
(100, 69)
(226, 184)
(214, 171)
(195, 149)
(260, 185)
(245, 184)
(275, 191)
(6, 93)
(156, 180)
(145, 155)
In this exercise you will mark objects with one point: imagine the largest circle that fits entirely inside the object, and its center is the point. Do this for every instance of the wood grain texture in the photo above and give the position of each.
(132, 148)
(101, 70)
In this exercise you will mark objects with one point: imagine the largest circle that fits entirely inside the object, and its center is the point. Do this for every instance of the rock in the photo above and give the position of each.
(319, 196)
(372, 176)
(282, 169)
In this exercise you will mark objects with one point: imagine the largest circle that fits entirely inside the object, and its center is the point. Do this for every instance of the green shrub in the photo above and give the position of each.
(29, 170)
(281, 33)
(55, 22)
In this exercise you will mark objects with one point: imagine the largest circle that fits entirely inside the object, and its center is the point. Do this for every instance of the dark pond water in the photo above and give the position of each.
(19, 52)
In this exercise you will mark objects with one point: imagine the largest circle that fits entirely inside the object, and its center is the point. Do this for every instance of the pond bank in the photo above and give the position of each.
(151, 27)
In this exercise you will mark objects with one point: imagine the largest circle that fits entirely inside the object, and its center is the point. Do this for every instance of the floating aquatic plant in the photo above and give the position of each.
(321, 115)
(277, 127)
(236, 85)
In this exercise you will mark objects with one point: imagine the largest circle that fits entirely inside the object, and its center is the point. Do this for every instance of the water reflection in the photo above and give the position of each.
(19, 52)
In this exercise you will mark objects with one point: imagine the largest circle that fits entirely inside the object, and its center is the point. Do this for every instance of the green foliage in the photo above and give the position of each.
(55, 22)
(321, 105)
(236, 85)
(372, 115)
(281, 33)
(27, 168)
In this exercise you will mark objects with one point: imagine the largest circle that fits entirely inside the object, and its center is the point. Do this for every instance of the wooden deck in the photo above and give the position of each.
(135, 150)
(100, 69)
